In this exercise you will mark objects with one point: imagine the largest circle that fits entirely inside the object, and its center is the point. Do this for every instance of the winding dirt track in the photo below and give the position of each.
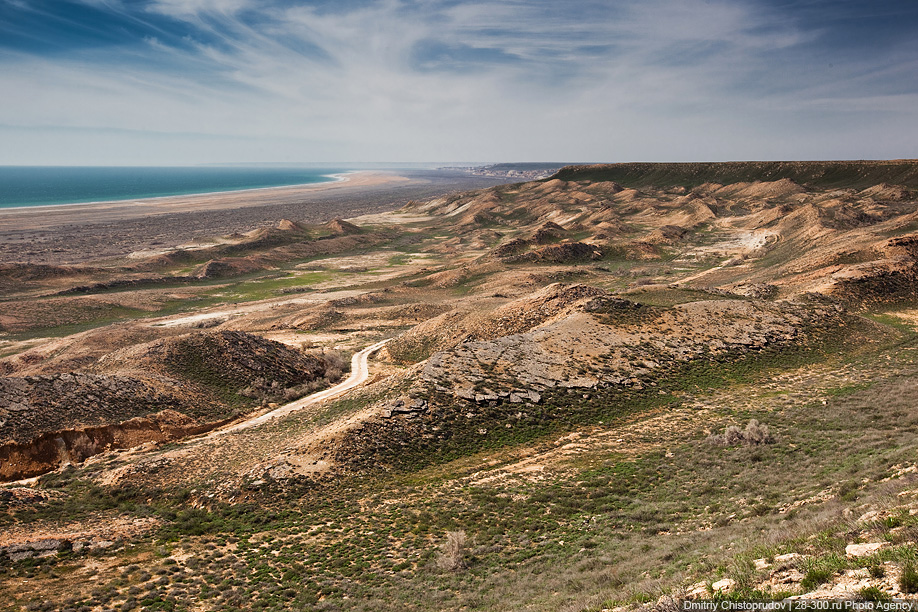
(360, 371)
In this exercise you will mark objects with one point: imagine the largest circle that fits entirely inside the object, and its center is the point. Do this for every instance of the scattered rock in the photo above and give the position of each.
(723, 586)
(404, 406)
(864, 550)
(35, 550)
(788, 558)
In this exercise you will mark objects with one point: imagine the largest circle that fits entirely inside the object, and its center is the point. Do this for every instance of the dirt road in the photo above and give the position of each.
(360, 371)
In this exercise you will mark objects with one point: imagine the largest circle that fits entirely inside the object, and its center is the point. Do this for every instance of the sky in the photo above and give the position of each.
(175, 82)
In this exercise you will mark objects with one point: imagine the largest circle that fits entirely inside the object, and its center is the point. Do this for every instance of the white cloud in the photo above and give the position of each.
(192, 8)
(669, 79)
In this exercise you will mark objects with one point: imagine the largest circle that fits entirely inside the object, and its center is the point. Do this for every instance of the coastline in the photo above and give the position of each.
(23, 218)
(70, 234)
(335, 178)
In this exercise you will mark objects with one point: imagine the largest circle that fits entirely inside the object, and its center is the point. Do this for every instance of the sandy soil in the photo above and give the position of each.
(743, 244)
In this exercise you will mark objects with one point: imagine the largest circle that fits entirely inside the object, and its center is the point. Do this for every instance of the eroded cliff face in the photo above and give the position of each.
(54, 449)
(153, 392)
(33, 405)
(814, 174)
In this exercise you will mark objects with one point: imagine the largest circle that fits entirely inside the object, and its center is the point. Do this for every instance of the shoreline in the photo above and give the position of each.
(338, 177)
(22, 218)
(81, 233)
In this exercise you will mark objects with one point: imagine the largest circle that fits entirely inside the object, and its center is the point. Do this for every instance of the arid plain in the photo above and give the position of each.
(619, 386)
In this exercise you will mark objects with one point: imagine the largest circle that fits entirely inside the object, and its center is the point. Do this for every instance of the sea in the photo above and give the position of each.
(54, 185)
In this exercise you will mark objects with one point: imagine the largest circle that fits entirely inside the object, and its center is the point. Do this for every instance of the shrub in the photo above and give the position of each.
(452, 551)
(733, 436)
(755, 434)
(814, 577)
(820, 570)
(908, 581)
(336, 362)
(874, 594)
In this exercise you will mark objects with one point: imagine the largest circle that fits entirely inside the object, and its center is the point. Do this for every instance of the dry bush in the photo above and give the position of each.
(755, 434)
(336, 363)
(733, 436)
(452, 552)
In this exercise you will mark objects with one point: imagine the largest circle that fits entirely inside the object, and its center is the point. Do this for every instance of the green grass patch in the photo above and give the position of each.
(263, 288)
(401, 259)
(668, 297)
(89, 318)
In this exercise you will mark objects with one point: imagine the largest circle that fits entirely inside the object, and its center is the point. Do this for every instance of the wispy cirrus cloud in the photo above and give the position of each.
(441, 79)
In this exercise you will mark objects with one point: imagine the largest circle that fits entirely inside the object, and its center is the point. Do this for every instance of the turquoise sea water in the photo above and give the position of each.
(50, 185)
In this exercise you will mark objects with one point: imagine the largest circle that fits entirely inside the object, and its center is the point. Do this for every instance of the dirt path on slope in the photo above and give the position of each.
(360, 371)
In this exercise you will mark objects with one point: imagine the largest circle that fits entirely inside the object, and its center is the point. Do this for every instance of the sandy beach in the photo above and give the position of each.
(39, 217)
(77, 233)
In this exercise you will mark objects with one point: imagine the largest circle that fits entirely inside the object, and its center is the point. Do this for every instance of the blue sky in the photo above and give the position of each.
(209, 81)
